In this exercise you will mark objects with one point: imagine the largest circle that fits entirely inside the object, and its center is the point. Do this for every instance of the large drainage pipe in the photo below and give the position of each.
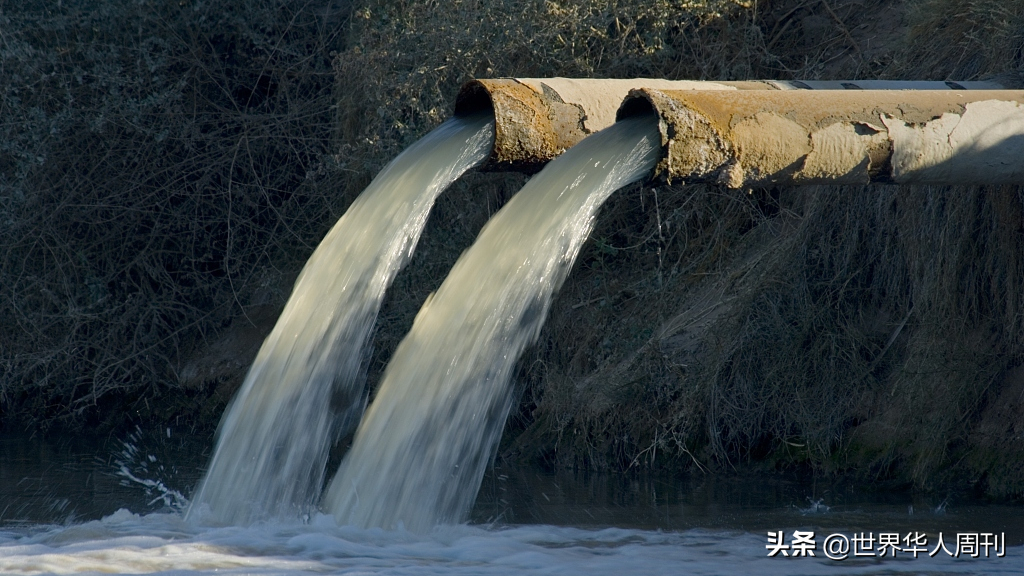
(536, 119)
(759, 138)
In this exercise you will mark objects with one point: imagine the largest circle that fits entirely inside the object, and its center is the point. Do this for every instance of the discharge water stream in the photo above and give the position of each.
(306, 384)
(420, 452)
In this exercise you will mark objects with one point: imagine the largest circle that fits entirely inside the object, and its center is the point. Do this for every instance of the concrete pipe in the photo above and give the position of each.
(757, 139)
(536, 119)
(883, 85)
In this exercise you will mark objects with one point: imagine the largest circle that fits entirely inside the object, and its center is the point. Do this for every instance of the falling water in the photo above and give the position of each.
(422, 448)
(306, 384)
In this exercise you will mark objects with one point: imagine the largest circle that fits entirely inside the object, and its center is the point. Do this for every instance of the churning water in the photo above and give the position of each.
(421, 450)
(59, 514)
(306, 384)
(164, 543)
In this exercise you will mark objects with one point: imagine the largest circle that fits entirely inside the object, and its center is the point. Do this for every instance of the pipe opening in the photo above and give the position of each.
(473, 98)
(636, 104)
(536, 119)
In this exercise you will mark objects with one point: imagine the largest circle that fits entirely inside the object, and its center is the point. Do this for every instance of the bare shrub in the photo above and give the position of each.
(160, 164)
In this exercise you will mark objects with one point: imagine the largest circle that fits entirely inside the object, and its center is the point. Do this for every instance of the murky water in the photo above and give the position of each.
(751, 504)
(67, 508)
(74, 479)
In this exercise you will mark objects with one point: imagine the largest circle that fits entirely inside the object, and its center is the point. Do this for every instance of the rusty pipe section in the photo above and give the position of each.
(791, 137)
(536, 119)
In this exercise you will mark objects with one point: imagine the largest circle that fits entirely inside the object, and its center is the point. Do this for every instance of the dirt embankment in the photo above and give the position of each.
(162, 189)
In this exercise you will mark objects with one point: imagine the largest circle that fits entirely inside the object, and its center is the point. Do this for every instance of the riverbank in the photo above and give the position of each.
(163, 187)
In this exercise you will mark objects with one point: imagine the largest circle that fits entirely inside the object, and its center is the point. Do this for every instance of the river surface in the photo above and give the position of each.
(114, 506)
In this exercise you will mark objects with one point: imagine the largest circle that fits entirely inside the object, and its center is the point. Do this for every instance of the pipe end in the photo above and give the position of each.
(637, 103)
(473, 98)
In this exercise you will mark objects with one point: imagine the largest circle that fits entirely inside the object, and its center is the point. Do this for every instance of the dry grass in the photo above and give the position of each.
(963, 39)
(161, 164)
(867, 331)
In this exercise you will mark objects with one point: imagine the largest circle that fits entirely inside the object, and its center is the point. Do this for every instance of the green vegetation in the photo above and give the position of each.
(166, 167)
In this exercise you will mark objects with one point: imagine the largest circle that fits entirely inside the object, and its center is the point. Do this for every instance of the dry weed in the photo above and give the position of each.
(160, 164)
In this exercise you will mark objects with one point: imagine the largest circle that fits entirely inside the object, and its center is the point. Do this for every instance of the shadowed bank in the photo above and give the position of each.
(869, 332)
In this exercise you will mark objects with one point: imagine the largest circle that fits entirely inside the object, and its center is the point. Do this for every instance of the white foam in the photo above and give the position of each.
(165, 544)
